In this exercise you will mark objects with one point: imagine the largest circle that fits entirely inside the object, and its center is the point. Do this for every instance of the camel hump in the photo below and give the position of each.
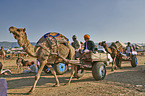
(51, 35)
(116, 44)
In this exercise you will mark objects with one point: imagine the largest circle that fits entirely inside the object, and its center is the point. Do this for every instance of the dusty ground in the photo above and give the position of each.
(127, 81)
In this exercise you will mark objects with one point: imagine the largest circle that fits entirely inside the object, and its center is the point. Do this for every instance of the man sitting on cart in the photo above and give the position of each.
(89, 45)
(77, 45)
(128, 49)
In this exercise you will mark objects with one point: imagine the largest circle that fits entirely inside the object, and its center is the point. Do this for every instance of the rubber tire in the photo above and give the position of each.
(134, 61)
(97, 69)
(80, 72)
(117, 62)
(60, 68)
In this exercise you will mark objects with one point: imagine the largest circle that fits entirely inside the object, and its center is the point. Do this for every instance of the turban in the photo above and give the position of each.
(87, 36)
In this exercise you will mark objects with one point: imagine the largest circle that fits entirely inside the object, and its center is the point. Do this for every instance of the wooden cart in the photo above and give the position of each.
(88, 61)
(132, 59)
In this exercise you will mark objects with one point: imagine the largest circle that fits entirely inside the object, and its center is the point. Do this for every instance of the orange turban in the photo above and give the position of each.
(87, 36)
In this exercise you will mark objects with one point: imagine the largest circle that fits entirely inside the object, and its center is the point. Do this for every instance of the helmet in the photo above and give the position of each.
(74, 37)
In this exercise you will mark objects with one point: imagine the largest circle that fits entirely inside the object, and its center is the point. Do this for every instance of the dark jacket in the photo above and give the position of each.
(90, 45)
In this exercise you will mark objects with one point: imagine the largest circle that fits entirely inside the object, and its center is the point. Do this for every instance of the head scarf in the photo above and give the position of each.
(74, 37)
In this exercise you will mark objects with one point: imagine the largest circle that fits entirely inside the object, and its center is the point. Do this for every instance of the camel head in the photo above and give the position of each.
(19, 34)
(103, 43)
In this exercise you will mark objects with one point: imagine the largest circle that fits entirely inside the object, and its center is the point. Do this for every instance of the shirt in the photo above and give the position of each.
(34, 68)
(90, 45)
(128, 49)
(76, 44)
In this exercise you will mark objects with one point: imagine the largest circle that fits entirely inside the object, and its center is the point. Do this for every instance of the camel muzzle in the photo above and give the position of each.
(12, 29)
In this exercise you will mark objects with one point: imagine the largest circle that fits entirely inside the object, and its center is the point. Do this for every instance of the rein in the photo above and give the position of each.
(26, 47)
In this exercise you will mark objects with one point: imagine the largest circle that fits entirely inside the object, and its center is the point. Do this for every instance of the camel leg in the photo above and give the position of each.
(113, 64)
(17, 66)
(120, 64)
(38, 76)
(72, 73)
(54, 73)
(120, 61)
(115, 67)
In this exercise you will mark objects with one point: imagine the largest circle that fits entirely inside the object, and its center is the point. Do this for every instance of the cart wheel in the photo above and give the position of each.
(6, 73)
(134, 61)
(46, 69)
(117, 62)
(80, 72)
(60, 68)
(99, 71)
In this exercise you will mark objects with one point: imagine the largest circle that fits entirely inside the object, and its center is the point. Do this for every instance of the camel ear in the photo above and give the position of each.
(24, 29)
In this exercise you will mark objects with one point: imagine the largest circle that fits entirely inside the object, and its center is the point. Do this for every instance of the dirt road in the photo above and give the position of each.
(127, 81)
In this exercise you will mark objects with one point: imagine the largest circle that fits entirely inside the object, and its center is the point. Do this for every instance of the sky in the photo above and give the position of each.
(109, 20)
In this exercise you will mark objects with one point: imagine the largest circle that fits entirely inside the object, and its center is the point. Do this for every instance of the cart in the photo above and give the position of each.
(87, 61)
(131, 58)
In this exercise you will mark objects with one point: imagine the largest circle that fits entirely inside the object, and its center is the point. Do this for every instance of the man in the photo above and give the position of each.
(32, 66)
(89, 45)
(2, 53)
(128, 49)
(76, 44)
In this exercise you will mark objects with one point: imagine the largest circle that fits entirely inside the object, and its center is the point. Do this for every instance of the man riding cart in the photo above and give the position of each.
(130, 55)
(90, 60)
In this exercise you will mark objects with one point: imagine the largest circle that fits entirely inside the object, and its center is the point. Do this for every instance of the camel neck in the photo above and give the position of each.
(29, 48)
(107, 49)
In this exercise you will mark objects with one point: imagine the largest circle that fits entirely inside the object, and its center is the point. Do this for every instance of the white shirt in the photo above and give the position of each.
(128, 49)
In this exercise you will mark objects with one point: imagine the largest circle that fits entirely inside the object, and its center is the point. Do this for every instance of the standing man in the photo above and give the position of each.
(2, 53)
(89, 45)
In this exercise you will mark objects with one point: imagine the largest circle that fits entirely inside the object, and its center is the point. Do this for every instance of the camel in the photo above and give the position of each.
(45, 50)
(115, 51)
(2, 53)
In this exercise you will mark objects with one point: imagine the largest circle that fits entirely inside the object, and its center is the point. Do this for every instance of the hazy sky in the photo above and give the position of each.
(109, 20)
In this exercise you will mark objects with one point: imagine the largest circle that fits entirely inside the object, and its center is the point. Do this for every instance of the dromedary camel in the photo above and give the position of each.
(115, 51)
(45, 50)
